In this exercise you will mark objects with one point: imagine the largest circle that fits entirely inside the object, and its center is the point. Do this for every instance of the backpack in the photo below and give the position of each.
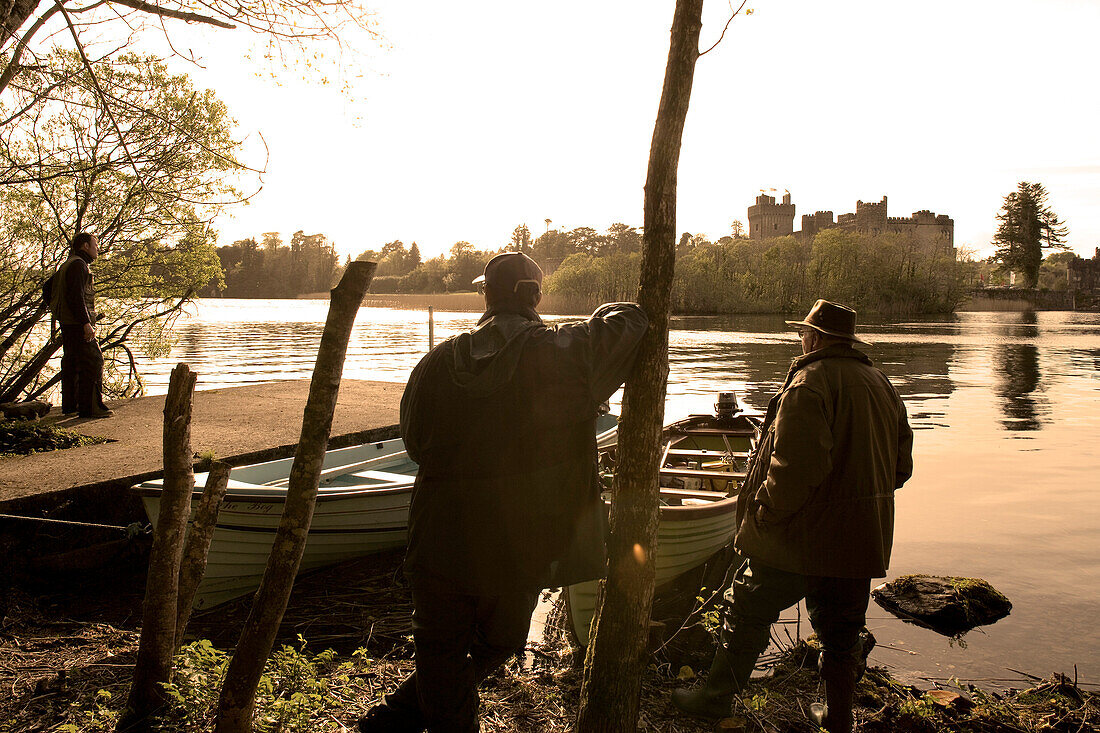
(47, 292)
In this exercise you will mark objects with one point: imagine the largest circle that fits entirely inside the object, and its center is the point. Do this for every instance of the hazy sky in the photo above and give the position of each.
(473, 118)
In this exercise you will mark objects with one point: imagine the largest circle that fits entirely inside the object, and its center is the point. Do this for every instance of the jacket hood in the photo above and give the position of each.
(485, 359)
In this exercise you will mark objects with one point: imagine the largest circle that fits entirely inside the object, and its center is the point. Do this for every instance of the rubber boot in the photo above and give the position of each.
(729, 674)
(835, 715)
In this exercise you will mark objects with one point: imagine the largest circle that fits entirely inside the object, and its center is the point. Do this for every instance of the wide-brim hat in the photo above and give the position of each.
(831, 319)
(506, 271)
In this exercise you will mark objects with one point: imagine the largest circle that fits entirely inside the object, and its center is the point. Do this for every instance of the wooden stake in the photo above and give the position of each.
(239, 689)
(158, 624)
(193, 564)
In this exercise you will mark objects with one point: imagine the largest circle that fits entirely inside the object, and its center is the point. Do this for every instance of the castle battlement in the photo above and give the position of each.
(769, 219)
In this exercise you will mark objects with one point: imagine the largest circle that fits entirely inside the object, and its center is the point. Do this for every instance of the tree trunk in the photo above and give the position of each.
(13, 15)
(239, 690)
(193, 564)
(15, 385)
(616, 651)
(158, 622)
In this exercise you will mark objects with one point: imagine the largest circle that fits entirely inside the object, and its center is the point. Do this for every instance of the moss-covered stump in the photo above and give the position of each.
(949, 605)
(20, 438)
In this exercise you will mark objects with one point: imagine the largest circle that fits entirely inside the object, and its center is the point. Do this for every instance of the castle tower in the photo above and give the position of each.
(769, 219)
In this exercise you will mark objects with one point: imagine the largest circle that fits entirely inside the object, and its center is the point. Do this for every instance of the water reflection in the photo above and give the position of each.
(1018, 380)
(921, 371)
(972, 382)
(1025, 326)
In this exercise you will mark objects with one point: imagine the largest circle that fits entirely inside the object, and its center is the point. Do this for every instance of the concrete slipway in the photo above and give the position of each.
(239, 424)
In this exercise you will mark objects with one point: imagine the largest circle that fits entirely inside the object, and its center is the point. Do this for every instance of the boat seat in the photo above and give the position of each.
(702, 473)
(385, 476)
(706, 453)
(342, 480)
(694, 494)
(713, 432)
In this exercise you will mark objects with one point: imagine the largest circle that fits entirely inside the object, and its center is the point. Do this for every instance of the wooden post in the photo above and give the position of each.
(431, 328)
(239, 689)
(193, 564)
(158, 623)
(616, 656)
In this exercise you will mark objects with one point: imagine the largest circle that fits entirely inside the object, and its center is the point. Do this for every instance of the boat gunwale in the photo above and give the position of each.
(272, 498)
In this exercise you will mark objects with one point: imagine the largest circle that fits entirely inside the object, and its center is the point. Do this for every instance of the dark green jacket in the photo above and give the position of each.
(502, 422)
(836, 444)
(72, 298)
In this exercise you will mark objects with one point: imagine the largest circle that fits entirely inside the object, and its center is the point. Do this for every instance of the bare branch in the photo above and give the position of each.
(732, 16)
(167, 13)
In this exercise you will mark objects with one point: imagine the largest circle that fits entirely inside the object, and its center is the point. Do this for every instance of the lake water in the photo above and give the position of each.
(1007, 421)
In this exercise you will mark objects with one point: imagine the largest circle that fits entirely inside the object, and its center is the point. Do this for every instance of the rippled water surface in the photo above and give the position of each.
(1007, 480)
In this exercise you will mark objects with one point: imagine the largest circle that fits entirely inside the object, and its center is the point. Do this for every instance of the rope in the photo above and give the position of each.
(128, 529)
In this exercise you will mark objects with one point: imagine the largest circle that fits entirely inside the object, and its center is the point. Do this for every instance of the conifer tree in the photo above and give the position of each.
(1027, 227)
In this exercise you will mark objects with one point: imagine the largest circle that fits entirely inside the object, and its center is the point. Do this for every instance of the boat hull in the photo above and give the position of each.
(693, 525)
(356, 514)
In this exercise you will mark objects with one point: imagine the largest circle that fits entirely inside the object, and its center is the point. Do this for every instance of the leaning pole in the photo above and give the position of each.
(238, 695)
(615, 660)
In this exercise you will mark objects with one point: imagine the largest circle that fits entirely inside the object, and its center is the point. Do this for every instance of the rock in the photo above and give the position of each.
(950, 699)
(25, 410)
(950, 606)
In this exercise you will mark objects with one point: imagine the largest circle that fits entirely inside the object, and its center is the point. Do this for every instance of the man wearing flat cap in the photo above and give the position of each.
(502, 422)
(815, 515)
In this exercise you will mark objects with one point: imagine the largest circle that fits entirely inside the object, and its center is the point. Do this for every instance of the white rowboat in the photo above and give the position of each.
(362, 508)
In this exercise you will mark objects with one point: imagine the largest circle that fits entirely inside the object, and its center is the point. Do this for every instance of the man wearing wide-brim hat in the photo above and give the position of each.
(815, 515)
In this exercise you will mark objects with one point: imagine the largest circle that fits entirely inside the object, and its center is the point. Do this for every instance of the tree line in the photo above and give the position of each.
(891, 274)
(882, 273)
(271, 269)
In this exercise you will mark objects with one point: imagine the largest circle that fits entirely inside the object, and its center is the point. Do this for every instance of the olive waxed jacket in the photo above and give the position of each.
(819, 497)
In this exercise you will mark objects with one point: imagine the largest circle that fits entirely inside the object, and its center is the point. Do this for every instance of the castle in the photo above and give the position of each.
(768, 219)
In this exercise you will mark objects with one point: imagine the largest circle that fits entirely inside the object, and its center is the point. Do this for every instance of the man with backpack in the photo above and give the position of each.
(72, 302)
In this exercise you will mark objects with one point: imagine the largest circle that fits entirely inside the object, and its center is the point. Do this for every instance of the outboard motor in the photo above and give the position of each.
(726, 408)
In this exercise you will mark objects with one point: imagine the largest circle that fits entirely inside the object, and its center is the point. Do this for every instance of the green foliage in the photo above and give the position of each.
(20, 438)
(437, 275)
(98, 715)
(891, 274)
(296, 692)
(192, 695)
(146, 179)
(1053, 272)
(886, 274)
(1027, 225)
(521, 240)
(307, 265)
(584, 281)
(711, 619)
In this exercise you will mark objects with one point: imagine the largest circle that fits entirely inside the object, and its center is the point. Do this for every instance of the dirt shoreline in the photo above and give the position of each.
(67, 649)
